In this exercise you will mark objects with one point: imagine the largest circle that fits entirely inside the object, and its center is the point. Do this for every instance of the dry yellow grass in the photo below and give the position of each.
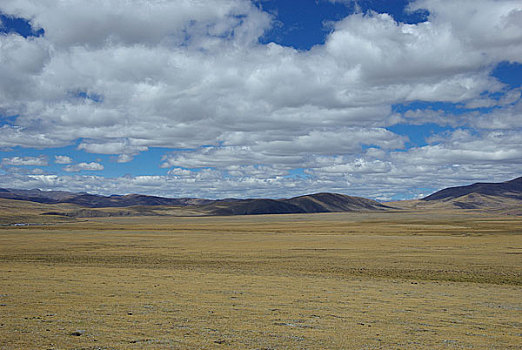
(323, 281)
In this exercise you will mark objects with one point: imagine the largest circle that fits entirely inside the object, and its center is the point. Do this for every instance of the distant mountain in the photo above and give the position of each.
(96, 201)
(503, 197)
(250, 207)
(510, 189)
(333, 202)
(35, 195)
(314, 203)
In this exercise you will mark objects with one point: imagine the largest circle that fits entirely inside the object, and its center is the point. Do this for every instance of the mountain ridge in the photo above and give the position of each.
(94, 200)
(488, 196)
(510, 189)
(311, 203)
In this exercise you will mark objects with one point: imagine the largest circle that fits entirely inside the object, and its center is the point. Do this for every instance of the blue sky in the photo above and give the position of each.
(237, 98)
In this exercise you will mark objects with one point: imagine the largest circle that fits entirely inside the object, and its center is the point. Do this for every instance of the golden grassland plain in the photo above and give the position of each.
(394, 280)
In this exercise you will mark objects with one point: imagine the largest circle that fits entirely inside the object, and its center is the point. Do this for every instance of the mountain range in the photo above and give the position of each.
(95, 201)
(314, 203)
(508, 189)
(476, 196)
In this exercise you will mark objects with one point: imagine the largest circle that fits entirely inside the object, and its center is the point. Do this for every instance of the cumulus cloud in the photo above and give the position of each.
(226, 156)
(463, 146)
(286, 153)
(246, 86)
(62, 160)
(507, 118)
(83, 166)
(35, 161)
(125, 148)
(180, 172)
(97, 22)
(124, 158)
(491, 27)
(127, 76)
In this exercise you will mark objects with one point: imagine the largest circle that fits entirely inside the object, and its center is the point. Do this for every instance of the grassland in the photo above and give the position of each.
(409, 280)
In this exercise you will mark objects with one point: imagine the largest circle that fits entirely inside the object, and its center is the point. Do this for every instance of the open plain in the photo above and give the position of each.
(390, 280)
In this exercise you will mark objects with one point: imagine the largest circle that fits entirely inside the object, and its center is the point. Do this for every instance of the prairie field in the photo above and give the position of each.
(391, 280)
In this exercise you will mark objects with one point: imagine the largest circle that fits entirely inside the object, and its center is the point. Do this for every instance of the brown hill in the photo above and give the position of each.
(504, 197)
(334, 202)
(509, 189)
(313, 203)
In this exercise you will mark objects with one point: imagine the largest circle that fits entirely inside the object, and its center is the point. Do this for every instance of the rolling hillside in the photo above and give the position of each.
(89, 205)
(510, 189)
(313, 203)
(96, 201)
(28, 205)
(504, 196)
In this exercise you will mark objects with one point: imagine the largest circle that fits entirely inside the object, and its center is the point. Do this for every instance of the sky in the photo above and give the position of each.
(265, 98)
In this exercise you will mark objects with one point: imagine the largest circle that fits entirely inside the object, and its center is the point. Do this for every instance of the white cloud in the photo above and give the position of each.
(152, 90)
(62, 160)
(111, 147)
(288, 152)
(96, 23)
(180, 172)
(36, 161)
(197, 79)
(226, 156)
(491, 27)
(125, 148)
(256, 171)
(509, 117)
(357, 166)
(124, 158)
(83, 166)
(463, 147)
